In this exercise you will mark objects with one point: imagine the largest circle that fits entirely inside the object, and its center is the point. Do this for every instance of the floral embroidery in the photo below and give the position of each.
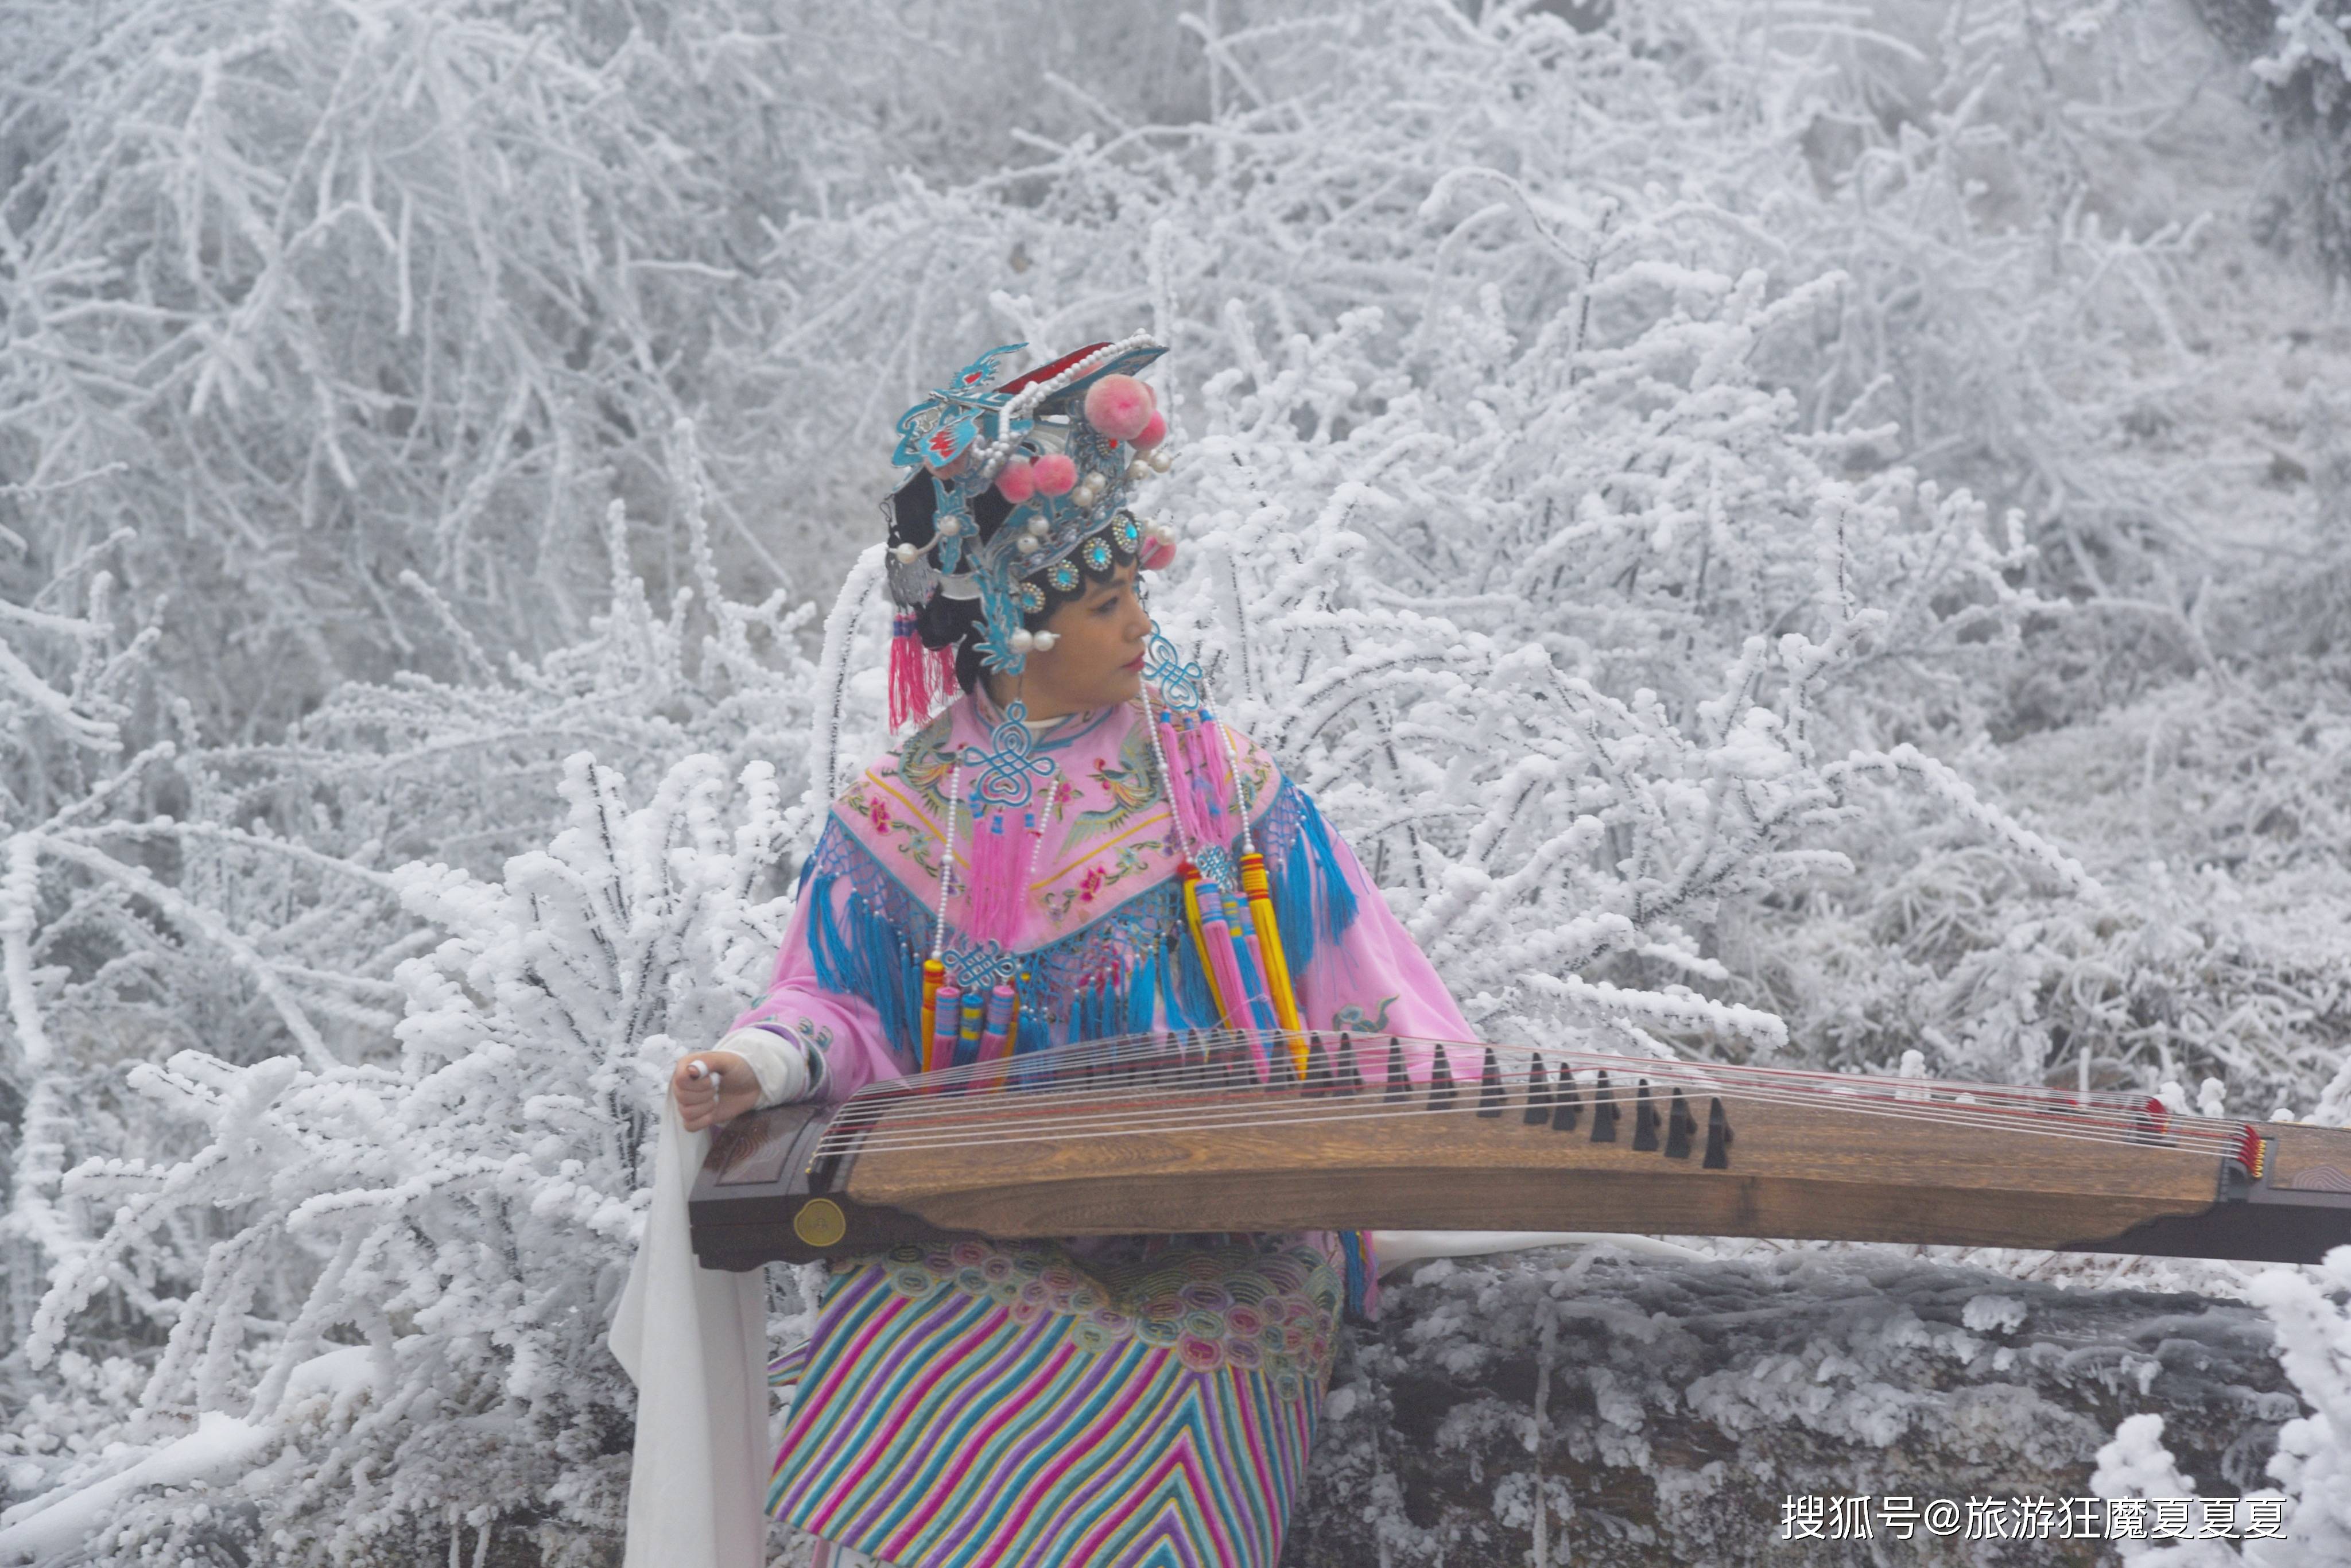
(1129, 858)
(1132, 786)
(911, 838)
(917, 843)
(1100, 905)
(926, 761)
(1257, 779)
(1254, 1307)
(1353, 1019)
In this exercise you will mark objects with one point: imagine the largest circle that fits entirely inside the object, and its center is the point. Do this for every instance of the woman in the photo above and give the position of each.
(1069, 851)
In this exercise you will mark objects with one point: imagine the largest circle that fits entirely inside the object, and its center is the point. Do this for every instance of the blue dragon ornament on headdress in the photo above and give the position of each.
(1063, 445)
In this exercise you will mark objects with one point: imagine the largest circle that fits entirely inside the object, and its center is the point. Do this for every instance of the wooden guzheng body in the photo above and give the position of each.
(1229, 1133)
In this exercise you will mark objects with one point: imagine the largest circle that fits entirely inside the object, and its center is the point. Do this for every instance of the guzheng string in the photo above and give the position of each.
(1198, 1082)
(895, 1135)
(1177, 1060)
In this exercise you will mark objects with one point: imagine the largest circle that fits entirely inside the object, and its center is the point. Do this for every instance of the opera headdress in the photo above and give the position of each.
(1025, 496)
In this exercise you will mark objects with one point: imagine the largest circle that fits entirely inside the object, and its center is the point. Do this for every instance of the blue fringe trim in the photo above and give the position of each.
(1142, 991)
(1312, 900)
(1127, 970)
(865, 954)
(1191, 1002)
(1160, 983)
(1359, 1274)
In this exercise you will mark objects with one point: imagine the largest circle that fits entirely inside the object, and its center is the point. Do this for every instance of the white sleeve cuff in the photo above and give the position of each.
(781, 1065)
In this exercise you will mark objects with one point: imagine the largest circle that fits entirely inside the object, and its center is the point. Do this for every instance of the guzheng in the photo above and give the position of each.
(1234, 1132)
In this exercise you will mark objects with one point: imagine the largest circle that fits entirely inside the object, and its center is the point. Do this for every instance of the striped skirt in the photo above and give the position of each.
(1146, 1402)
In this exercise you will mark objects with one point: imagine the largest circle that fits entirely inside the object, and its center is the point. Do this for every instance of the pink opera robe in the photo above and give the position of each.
(1114, 1402)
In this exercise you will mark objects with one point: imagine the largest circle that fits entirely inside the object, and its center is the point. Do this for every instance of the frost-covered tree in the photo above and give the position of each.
(338, 1250)
(314, 298)
(1774, 530)
(446, 1232)
(1580, 654)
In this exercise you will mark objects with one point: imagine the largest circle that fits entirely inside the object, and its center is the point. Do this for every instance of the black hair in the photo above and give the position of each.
(944, 622)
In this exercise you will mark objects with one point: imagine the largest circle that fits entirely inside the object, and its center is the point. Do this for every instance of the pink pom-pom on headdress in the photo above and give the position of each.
(1118, 407)
(1055, 474)
(1158, 554)
(1152, 434)
(1017, 482)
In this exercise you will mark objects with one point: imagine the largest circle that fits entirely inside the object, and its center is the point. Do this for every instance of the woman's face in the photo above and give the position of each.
(1098, 658)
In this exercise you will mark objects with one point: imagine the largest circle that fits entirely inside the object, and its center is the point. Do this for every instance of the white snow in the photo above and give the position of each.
(1774, 542)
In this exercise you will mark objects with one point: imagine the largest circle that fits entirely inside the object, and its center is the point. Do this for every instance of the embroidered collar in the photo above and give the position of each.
(1051, 735)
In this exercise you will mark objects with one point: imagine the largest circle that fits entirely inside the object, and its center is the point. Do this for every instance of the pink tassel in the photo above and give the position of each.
(1207, 809)
(919, 676)
(1188, 768)
(998, 862)
(1218, 776)
(946, 1020)
(1218, 937)
(908, 672)
(999, 1023)
(1179, 788)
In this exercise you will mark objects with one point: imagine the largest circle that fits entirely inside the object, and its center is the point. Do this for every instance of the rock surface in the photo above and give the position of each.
(1665, 1408)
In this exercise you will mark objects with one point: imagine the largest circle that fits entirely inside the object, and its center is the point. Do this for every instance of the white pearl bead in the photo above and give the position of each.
(906, 554)
(1139, 469)
(1161, 460)
(1044, 640)
(1040, 527)
(1029, 545)
(1023, 640)
(949, 528)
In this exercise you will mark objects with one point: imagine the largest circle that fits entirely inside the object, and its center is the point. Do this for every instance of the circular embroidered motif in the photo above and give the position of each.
(1259, 1310)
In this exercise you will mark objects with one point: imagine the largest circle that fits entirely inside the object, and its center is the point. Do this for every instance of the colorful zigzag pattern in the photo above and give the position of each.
(954, 1430)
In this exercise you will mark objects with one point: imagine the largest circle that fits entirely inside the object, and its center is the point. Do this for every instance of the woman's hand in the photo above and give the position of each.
(705, 1103)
